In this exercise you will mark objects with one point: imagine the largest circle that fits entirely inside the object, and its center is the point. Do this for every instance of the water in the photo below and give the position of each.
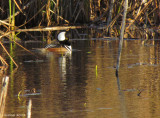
(83, 84)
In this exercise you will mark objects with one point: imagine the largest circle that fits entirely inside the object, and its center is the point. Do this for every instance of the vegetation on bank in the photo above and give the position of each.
(36, 13)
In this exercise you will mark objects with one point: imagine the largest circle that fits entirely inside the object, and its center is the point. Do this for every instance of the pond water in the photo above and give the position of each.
(83, 84)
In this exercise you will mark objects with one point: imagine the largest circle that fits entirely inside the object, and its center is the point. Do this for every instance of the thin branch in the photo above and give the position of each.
(32, 17)
(17, 5)
(8, 54)
(18, 12)
(3, 61)
(59, 16)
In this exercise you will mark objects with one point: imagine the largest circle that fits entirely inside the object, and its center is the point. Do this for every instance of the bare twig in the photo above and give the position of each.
(59, 16)
(33, 16)
(17, 5)
(8, 54)
(3, 61)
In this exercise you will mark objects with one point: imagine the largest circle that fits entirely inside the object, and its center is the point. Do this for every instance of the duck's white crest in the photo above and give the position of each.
(61, 36)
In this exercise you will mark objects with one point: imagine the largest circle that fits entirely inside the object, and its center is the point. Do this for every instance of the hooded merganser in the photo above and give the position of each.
(64, 44)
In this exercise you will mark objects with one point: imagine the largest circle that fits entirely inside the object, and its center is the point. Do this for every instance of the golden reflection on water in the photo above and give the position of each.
(83, 84)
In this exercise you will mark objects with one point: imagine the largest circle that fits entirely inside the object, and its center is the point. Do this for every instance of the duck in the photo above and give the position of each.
(64, 44)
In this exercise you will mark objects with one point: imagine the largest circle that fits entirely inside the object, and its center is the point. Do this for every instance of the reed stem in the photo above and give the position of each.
(121, 36)
(10, 13)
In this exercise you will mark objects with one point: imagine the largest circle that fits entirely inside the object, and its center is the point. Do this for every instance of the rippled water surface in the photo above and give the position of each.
(83, 84)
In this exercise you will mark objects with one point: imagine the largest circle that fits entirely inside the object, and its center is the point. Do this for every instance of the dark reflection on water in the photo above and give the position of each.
(69, 85)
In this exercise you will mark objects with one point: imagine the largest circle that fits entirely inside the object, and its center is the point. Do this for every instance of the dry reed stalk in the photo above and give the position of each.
(90, 7)
(48, 13)
(8, 54)
(114, 20)
(50, 28)
(17, 5)
(3, 61)
(32, 17)
(100, 17)
(75, 9)
(18, 12)
(3, 71)
(130, 34)
(121, 36)
(10, 38)
(149, 21)
(70, 8)
(49, 37)
(110, 12)
(29, 108)
(148, 17)
(142, 2)
(81, 8)
(23, 47)
(5, 34)
(57, 9)
(139, 14)
(59, 16)
(4, 22)
(3, 95)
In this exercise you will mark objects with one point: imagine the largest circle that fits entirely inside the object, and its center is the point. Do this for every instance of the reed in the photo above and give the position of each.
(13, 19)
(96, 71)
(3, 95)
(8, 53)
(121, 37)
(29, 108)
(10, 13)
(3, 63)
(48, 15)
(11, 59)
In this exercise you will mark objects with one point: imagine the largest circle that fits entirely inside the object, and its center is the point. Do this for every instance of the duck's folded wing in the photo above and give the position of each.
(50, 46)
